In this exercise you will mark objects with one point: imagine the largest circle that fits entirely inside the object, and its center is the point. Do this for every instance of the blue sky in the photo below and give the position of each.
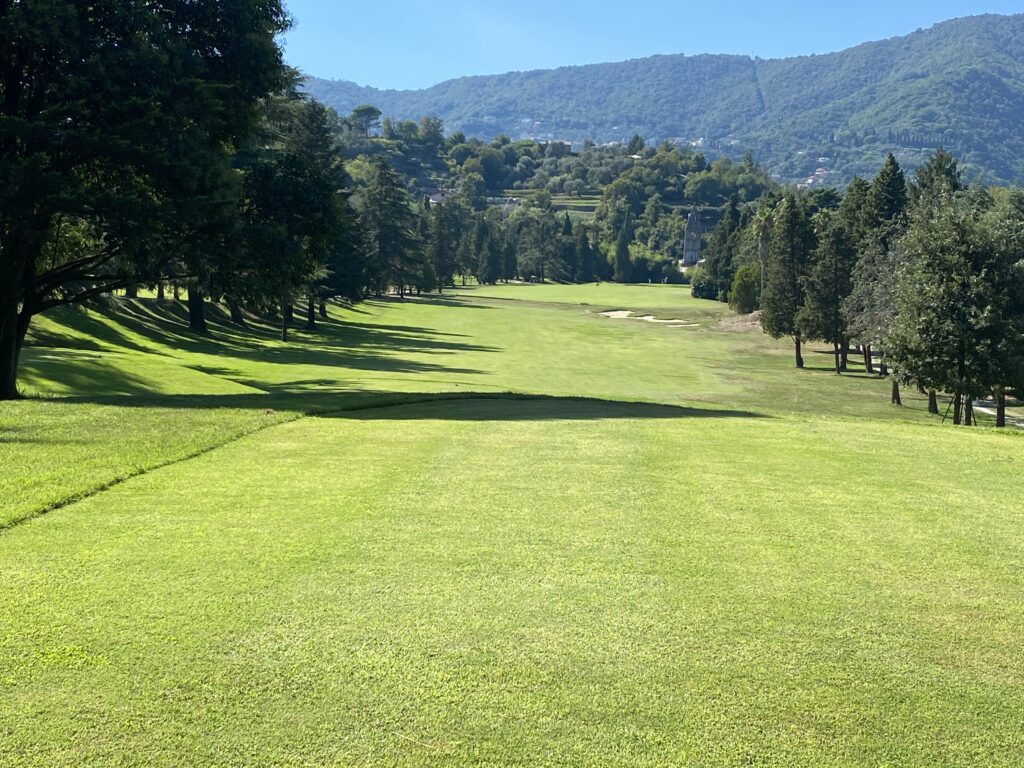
(406, 44)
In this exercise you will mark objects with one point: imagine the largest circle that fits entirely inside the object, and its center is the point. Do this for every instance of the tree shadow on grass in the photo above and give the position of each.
(512, 407)
(164, 325)
(358, 404)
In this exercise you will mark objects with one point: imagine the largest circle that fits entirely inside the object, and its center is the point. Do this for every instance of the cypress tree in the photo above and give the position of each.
(789, 257)
(584, 256)
(623, 265)
(827, 285)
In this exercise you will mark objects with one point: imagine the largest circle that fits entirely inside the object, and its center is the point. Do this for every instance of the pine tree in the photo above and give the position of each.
(881, 221)
(388, 222)
(887, 199)
(957, 324)
(789, 258)
(827, 285)
(719, 255)
(938, 177)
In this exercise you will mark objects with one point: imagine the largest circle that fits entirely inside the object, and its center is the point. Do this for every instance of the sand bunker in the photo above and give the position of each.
(625, 314)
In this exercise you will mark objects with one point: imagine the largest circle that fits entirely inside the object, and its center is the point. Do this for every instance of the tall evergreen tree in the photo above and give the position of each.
(938, 177)
(584, 255)
(789, 259)
(882, 222)
(827, 285)
(388, 223)
(719, 256)
(623, 263)
(957, 326)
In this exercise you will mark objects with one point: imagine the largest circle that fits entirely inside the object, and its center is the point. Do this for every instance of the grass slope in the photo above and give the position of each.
(698, 568)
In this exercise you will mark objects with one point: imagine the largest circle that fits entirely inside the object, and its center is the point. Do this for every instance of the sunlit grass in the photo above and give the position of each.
(714, 561)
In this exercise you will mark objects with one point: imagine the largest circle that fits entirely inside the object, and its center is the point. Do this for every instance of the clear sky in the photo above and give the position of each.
(416, 43)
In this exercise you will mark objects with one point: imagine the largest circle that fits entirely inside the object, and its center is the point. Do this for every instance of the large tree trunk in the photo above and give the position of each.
(933, 402)
(310, 314)
(797, 351)
(844, 355)
(869, 365)
(160, 290)
(838, 357)
(13, 329)
(131, 291)
(196, 308)
(958, 405)
(10, 352)
(896, 400)
(969, 411)
(236, 312)
(286, 319)
(1001, 408)
(176, 291)
(323, 310)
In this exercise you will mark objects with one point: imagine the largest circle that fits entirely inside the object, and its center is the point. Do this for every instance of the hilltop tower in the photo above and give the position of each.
(691, 241)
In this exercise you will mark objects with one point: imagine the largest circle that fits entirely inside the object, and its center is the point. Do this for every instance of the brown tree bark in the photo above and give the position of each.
(13, 327)
(196, 308)
(933, 402)
(958, 405)
(797, 351)
(896, 400)
(869, 365)
(1001, 408)
(236, 312)
(286, 319)
(310, 314)
(838, 357)
(969, 420)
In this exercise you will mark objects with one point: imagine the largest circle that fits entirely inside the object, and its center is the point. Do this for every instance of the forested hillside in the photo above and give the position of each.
(958, 85)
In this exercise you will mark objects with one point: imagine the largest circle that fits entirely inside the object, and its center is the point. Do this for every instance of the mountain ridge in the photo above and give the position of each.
(958, 84)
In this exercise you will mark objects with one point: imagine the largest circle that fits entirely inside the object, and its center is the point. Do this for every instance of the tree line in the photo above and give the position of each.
(924, 276)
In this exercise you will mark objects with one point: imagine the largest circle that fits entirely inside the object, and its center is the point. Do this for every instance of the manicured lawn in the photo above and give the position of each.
(680, 552)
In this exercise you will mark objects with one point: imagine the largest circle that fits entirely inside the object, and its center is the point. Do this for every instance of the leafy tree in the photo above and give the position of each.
(117, 121)
(366, 117)
(745, 292)
(957, 326)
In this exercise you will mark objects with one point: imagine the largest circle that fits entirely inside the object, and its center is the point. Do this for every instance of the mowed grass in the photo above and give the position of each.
(679, 551)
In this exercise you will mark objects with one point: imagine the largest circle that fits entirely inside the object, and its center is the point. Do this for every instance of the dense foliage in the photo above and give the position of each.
(958, 85)
(925, 275)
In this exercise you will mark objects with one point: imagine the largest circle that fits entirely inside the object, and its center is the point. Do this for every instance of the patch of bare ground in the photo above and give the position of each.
(741, 323)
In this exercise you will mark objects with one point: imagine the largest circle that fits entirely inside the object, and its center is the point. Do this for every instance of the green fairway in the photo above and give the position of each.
(496, 528)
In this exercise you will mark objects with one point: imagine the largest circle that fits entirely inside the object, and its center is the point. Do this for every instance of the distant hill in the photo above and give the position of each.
(959, 84)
